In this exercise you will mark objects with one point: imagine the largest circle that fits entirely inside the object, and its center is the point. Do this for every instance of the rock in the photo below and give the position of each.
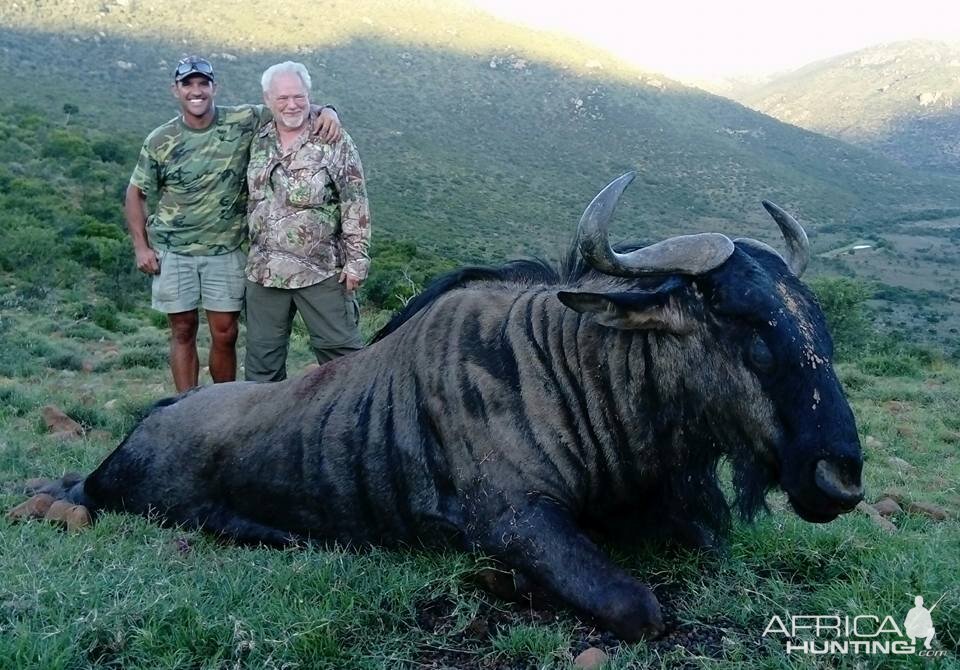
(31, 486)
(74, 517)
(57, 422)
(181, 545)
(905, 431)
(876, 517)
(77, 518)
(899, 495)
(34, 508)
(900, 464)
(887, 507)
(110, 404)
(950, 436)
(88, 399)
(310, 367)
(896, 406)
(64, 435)
(872, 442)
(589, 658)
(928, 509)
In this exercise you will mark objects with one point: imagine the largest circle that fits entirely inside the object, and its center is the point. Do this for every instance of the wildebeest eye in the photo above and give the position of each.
(761, 358)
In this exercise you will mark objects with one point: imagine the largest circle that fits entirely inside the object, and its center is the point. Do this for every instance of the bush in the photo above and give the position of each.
(64, 360)
(844, 304)
(143, 357)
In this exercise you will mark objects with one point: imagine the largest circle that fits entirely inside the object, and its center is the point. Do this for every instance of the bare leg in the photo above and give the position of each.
(223, 347)
(183, 349)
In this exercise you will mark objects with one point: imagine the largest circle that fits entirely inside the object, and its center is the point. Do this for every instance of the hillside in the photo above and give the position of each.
(483, 140)
(901, 100)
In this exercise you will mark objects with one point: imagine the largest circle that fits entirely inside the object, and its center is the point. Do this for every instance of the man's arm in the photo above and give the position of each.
(135, 211)
(354, 214)
(326, 126)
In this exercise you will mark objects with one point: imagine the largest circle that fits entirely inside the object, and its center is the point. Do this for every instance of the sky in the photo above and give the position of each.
(713, 39)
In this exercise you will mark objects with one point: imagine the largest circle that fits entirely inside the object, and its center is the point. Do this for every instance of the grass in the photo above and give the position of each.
(130, 594)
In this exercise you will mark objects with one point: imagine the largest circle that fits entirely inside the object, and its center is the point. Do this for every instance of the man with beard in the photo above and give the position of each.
(309, 224)
(196, 166)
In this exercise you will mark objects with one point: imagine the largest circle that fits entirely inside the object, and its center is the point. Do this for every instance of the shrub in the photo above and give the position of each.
(64, 360)
(843, 301)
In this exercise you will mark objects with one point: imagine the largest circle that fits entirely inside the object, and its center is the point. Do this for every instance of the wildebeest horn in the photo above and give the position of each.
(685, 254)
(798, 247)
(831, 482)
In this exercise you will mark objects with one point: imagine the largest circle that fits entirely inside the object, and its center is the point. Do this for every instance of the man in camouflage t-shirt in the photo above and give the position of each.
(309, 230)
(195, 166)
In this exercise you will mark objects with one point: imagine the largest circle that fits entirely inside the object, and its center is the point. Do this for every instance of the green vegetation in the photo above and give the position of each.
(133, 595)
(480, 141)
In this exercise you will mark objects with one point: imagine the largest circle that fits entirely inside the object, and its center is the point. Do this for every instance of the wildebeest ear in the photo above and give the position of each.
(654, 309)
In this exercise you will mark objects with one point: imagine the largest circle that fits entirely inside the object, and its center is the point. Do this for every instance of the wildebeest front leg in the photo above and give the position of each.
(541, 540)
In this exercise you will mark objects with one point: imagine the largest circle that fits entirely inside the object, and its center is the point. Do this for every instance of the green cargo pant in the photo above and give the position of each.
(331, 315)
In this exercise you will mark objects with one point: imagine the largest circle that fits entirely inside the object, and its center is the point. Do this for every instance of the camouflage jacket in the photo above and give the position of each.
(308, 214)
(199, 180)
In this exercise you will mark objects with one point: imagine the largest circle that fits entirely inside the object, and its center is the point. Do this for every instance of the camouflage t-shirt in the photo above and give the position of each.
(309, 215)
(199, 178)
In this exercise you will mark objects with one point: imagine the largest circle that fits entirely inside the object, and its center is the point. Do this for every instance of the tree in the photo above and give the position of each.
(69, 109)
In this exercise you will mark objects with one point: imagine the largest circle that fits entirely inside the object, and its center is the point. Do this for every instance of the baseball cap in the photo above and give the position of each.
(193, 65)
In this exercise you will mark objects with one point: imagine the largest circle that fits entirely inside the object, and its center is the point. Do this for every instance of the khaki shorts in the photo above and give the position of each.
(186, 282)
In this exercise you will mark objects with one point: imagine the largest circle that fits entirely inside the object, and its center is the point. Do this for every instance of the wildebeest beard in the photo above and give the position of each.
(524, 408)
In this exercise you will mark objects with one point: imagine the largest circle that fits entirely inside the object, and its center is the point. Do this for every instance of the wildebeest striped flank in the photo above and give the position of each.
(521, 411)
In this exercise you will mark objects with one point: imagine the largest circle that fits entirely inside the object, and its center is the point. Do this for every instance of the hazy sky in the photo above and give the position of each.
(712, 38)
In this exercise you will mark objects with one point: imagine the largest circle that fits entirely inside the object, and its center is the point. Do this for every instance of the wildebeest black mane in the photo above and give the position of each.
(520, 271)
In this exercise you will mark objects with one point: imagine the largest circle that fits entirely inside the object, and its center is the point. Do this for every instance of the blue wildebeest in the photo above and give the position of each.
(522, 411)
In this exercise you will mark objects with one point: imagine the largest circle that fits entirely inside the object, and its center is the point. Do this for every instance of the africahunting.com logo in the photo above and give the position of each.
(820, 634)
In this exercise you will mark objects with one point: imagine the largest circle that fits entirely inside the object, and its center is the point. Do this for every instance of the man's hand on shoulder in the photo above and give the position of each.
(147, 260)
(327, 125)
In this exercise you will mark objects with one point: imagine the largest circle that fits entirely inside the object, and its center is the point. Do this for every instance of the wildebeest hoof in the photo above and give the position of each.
(74, 517)
(637, 620)
(33, 508)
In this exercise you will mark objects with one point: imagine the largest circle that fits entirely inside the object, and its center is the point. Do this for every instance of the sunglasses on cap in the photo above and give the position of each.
(192, 65)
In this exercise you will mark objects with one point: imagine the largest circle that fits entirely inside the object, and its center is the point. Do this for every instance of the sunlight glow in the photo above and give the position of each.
(695, 39)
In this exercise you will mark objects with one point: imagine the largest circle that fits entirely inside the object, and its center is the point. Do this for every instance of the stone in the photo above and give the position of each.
(872, 442)
(74, 517)
(110, 404)
(77, 518)
(875, 516)
(935, 512)
(31, 486)
(34, 508)
(900, 464)
(905, 431)
(899, 495)
(887, 507)
(896, 406)
(590, 658)
(65, 435)
(57, 421)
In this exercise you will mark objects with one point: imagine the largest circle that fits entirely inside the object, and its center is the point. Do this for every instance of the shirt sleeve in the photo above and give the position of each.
(354, 208)
(260, 113)
(146, 173)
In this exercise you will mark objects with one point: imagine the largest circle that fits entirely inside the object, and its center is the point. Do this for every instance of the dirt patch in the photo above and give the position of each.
(468, 649)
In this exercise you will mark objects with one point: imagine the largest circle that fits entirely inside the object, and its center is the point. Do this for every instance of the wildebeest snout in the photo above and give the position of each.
(840, 480)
